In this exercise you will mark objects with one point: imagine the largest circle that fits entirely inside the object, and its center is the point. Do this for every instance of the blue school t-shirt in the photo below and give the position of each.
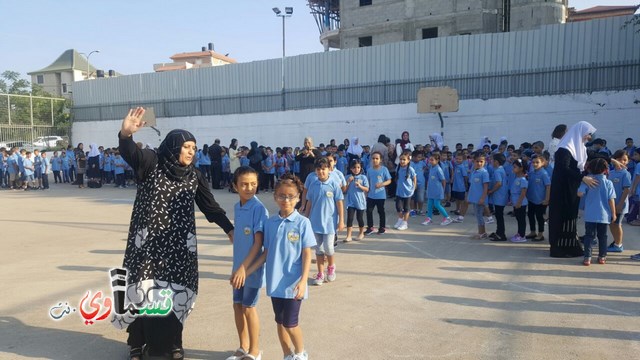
(284, 240)
(459, 173)
(46, 166)
(355, 196)
(549, 170)
(477, 179)
(244, 161)
(268, 165)
(621, 180)
(28, 167)
(508, 169)
(323, 197)
(501, 196)
(418, 167)
(342, 164)
(405, 177)
(596, 200)
(538, 182)
(434, 185)
(446, 170)
(377, 176)
(636, 174)
(248, 219)
(519, 183)
(56, 164)
(119, 169)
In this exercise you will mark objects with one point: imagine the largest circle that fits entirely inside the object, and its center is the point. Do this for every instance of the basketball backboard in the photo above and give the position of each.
(438, 100)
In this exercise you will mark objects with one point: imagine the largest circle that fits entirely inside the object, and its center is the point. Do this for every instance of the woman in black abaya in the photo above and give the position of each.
(570, 160)
(161, 251)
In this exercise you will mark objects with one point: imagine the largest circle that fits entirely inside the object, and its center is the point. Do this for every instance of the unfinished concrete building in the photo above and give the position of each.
(345, 24)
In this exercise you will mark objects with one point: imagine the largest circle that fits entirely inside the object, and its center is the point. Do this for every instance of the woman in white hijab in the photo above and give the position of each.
(93, 163)
(570, 160)
(437, 141)
(354, 150)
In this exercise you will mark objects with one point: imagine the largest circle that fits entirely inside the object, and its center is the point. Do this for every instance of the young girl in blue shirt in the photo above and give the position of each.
(249, 219)
(478, 188)
(288, 239)
(621, 180)
(436, 183)
(518, 191)
(406, 185)
(357, 187)
(599, 210)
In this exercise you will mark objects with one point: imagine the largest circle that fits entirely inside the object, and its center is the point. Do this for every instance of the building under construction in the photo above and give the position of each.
(345, 24)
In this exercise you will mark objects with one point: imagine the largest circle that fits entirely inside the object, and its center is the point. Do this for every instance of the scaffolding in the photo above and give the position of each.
(327, 16)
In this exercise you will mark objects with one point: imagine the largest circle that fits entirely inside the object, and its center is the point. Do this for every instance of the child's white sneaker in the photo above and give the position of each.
(403, 225)
(427, 221)
(446, 221)
(395, 226)
(489, 220)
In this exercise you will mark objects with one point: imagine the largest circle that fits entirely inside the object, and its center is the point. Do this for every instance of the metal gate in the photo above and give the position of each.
(34, 122)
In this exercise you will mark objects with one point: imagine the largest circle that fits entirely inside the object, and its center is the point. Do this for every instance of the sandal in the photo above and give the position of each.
(177, 353)
(136, 353)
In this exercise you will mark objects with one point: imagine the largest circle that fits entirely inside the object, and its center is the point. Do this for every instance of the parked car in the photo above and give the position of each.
(20, 145)
(47, 141)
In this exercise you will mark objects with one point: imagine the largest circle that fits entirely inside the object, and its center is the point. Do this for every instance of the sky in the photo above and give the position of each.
(133, 35)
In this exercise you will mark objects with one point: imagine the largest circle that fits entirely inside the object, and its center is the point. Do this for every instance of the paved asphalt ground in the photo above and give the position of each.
(425, 293)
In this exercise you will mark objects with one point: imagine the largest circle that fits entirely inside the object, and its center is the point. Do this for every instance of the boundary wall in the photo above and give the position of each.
(616, 115)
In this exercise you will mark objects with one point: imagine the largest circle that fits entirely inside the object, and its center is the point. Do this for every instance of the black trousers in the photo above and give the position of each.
(216, 174)
(56, 176)
(536, 212)
(499, 215)
(160, 333)
(379, 203)
(45, 181)
(521, 217)
(359, 215)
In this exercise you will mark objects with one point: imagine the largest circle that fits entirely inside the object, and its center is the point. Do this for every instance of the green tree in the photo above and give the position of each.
(11, 83)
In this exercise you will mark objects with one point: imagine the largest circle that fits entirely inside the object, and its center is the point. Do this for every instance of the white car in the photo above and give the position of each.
(47, 141)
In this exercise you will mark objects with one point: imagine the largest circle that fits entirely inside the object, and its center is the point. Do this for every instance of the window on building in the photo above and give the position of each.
(430, 33)
(365, 2)
(40, 79)
(365, 41)
(64, 88)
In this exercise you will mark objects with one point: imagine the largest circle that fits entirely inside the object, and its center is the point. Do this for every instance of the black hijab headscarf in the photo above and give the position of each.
(169, 155)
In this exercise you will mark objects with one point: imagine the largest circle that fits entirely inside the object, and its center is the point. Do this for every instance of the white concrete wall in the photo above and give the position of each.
(616, 115)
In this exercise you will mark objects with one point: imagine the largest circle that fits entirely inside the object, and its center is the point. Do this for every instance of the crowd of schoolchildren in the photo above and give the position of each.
(487, 178)
(354, 180)
(25, 170)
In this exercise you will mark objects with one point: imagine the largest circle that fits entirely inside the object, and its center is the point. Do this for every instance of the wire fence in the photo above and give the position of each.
(33, 122)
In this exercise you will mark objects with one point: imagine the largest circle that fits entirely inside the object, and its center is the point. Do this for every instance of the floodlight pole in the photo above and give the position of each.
(287, 13)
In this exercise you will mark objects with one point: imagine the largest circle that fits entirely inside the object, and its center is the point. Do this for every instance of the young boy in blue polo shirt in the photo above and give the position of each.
(599, 210)
(459, 186)
(324, 199)
(538, 195)
(499, 196)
